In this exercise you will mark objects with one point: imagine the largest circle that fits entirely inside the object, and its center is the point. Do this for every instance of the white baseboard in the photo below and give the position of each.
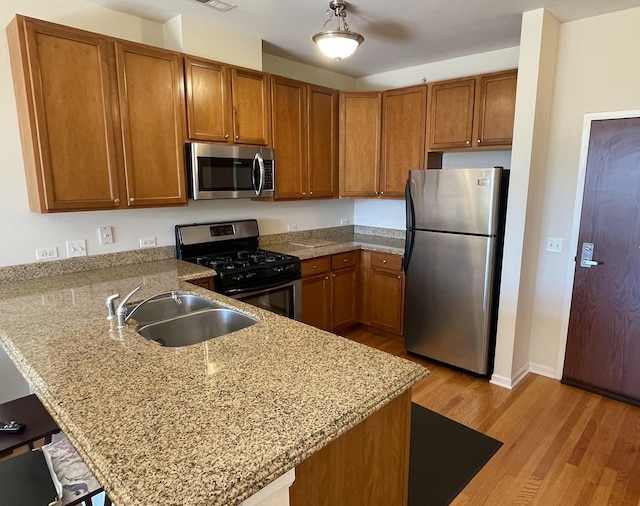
(501, 381)
(504, 382)
(544, 370)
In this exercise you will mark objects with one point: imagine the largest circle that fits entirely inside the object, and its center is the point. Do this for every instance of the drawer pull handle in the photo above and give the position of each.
(384, 261)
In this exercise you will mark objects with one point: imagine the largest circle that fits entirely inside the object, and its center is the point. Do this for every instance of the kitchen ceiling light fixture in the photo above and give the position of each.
(341, 43)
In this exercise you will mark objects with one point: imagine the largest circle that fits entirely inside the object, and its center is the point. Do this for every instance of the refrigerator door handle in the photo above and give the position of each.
(411, 219)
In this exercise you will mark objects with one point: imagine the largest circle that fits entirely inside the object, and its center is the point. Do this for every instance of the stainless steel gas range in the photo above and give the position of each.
(245, 272)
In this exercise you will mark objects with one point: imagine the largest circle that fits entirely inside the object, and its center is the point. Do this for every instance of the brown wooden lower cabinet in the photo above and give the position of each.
(329, 290)
(366, 466)
(203, 282)
(333, 285)
(383, 292)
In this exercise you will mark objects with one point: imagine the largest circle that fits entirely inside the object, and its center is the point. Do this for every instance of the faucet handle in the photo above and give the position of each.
(121, 311)
(110, 303)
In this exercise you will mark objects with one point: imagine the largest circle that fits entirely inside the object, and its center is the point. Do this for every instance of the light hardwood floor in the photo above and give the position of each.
(562, 445)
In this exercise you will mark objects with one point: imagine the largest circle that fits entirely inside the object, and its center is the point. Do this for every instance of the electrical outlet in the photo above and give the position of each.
(344, 221)
(76, 248)
(554, 244)
(147, 242)
(47, 253)
(105, 234)
(292, 227)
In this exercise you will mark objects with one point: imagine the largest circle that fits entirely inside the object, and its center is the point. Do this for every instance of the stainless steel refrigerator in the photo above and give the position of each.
(453, 256)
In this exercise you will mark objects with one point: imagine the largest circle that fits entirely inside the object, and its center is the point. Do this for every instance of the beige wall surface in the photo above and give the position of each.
(597, 71)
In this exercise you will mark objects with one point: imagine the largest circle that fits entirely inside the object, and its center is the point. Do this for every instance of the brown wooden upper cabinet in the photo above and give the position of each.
(360, 128)
(472, 113)
(305, 123)
(382, 137)
(101, 120)
(227, 104)
(404, 114)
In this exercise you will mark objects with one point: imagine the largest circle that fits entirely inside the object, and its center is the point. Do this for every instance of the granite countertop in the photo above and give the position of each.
(341, 243)
(210, 423)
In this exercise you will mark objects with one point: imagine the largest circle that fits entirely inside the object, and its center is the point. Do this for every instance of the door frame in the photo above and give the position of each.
(577, 217)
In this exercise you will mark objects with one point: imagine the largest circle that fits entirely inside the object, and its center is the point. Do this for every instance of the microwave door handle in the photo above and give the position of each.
(260, 161)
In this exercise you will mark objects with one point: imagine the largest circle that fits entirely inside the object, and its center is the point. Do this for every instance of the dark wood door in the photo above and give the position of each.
(603, 342)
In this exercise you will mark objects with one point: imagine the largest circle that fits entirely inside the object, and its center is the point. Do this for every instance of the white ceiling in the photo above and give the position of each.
(397, 33)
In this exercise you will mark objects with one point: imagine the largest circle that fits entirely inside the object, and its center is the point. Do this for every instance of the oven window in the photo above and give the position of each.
(224, 174)
(278, 300)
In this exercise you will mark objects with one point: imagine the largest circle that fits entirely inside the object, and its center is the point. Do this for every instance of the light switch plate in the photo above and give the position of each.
(76, 248)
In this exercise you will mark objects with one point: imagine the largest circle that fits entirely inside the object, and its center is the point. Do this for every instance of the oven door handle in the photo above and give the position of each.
(260, 185)
(248, 292)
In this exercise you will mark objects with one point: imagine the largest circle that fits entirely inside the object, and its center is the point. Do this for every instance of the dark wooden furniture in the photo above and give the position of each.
(30, 411)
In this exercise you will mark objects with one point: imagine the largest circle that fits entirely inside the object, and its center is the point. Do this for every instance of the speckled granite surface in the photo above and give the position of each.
(342, 242)
(210, 423)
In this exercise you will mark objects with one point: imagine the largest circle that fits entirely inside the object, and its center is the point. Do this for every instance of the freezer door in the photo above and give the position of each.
(448, 303)
(456, 200)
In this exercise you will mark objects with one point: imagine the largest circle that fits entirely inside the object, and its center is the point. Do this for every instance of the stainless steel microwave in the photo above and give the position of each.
(229, 172)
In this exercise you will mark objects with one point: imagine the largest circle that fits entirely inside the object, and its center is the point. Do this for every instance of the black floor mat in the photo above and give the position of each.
(445, 455)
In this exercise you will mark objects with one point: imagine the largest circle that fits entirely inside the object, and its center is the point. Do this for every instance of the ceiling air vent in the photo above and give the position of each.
(218, 4)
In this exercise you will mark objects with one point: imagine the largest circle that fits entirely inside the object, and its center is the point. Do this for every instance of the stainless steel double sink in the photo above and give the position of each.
(174, 319)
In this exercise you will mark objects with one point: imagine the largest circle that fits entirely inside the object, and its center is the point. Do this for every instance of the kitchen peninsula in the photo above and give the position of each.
(211, 423)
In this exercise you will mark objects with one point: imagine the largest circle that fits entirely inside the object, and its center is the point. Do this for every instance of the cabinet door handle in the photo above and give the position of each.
(304, 193)
(334, 275)
(399, 276)
(226, 136)
(479, 141)
(310, 193)
(327, 277)
(344, 260)
(237, 137)
(116, 201)
(132, 199)
(315, 266)
(467, 142)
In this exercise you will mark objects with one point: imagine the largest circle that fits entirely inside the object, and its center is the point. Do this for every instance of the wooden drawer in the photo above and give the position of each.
(386, 261)
(315, 266)
(340, 260)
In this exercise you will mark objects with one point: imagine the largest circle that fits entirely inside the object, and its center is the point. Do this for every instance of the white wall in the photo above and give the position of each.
(596, 71)
(481, 63)
(294, 70)
(533, 106)
(29, 231)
